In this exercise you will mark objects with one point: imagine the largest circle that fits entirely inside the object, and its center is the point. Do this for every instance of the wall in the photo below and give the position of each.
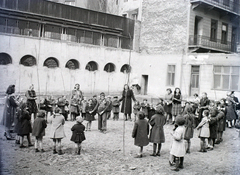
(164, 26)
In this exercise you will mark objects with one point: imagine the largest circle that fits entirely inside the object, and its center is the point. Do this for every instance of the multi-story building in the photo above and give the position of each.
(194, 43)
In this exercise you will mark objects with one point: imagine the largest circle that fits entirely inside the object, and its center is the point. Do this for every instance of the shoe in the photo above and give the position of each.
(8, 137)
(36, 150)
(30, 145)
(138, 156)
(180, 166)
(17, 142)
(22, 146)
(54, 151)
(204, 151)
(42, 150)
(217, 142)
(158, 154)
(171, 163)
(153, 154)
(210, 149)
(200, 150)
(188, 151)
(175, 169)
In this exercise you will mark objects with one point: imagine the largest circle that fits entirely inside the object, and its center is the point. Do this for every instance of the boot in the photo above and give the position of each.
(54, 151)
(177, 164)
(154, 150)
(181, 162)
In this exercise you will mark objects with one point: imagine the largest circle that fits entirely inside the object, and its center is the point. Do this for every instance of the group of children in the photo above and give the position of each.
(211, 126)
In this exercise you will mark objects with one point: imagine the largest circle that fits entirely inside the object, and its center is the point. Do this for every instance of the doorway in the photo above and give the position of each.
(194, 83)
(197, 31)
(144, 84)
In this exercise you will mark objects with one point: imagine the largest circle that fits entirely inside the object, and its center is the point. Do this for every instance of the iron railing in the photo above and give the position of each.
(232, 6)
(207, 42)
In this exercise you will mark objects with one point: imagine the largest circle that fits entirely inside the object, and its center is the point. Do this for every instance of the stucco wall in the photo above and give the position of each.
(164, 26)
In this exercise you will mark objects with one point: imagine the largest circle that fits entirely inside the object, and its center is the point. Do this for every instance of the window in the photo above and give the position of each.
(226, 77)
(91, 66)
(72, 64)
(110, 67)
(213, 34)
(224, 33)
(28, 60)
(126, 68)
(51, 62)
(5, 59)
(171, 75)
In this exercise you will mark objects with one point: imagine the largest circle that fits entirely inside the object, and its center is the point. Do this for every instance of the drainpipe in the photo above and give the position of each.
(185, 50)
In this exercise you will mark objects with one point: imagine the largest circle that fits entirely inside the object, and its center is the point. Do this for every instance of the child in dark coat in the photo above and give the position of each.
(157, 136)
(115, 108)
(25, 126)
(78, 134)
(39, 126)
(140, 133)
(144, 107)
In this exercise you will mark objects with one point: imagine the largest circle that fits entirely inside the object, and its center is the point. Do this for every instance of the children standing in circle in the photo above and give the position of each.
(78, 134)
(39, 126)
(57, 130)
(157, 136)
(140, 133)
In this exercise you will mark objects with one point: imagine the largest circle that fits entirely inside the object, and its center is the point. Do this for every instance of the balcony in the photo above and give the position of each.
(205, 43)
(227, 6)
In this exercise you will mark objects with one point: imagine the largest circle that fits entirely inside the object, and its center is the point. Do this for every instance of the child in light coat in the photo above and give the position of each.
(178, 145)
(204, 132)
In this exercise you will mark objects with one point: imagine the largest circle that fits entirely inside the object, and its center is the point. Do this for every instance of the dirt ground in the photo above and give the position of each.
(103, 154)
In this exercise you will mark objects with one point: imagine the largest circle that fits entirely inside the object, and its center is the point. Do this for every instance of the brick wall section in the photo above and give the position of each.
(164, 26)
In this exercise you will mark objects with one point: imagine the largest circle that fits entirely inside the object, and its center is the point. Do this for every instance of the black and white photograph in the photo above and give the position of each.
(138, 87)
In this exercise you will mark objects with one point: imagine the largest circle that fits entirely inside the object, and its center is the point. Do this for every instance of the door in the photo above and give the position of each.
(144, 84)
(194, 84)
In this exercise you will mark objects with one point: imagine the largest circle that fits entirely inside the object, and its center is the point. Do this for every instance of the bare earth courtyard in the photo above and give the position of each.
(103, 154)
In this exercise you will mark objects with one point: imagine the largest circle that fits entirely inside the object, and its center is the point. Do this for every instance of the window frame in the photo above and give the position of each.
(229, 74)
(169, 82)
(224, 34)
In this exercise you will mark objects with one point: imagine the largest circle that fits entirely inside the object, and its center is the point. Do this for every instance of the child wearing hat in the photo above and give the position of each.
(78, 134)
(144, 107)
(57, 130)
(140, 132)
(109, 108)
(157, 136)
(204, 132)
(178, 145)
(136, 109)
(39, 126)
(115, 108)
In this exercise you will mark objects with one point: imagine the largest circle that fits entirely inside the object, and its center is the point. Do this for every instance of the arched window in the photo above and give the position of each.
(109, 67)
(5, 59)
(126, 68)
(51, 62)
(72, 64)
(28, 60)
(91, 66)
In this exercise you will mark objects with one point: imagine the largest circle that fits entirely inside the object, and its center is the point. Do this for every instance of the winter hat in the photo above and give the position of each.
(141, 115)
(180, 121)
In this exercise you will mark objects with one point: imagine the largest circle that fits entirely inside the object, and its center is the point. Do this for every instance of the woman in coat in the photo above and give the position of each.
(157, 136)
(127, 96)
(9, 111)
(140, 133)
(189, 124)
(177, 104)
(31, 103)
(57, 130)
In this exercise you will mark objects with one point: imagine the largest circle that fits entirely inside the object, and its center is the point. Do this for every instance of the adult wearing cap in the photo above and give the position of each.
(127, 97)
(9, 111)
(102, 114)
(231, 115)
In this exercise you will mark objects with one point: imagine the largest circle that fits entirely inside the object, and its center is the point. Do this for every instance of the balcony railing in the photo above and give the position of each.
(207, 43)
(228, 5)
